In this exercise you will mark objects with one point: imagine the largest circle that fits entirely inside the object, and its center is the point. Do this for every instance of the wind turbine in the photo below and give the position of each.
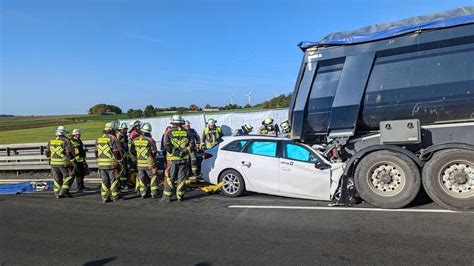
(231, 99)
(249, 95)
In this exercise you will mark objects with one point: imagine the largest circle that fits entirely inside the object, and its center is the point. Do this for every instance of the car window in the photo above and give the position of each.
(265, 148)
(296, 152)
(237, 145)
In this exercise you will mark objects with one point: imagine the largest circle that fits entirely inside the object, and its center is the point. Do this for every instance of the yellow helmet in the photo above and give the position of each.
(108, 126)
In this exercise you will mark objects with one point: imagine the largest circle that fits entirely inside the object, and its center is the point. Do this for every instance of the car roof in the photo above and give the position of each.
(250, 137)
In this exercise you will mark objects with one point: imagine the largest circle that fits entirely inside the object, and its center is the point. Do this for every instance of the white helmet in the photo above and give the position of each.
(247, 127)
(211, 122)
(267, 121)
(123, 125)
(115, 125)
(146, 127)
(177, 119)
(285, 124)
(76, 131)
(61, 131)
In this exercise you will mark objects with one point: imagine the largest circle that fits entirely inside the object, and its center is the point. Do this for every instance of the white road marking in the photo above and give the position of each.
(340, 209)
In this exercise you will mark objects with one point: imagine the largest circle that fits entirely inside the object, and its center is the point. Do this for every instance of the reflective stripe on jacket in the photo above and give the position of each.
(144, 150)
(177, 143)
(105, 156)
(58, 152)
(212, 137)
(79, 150)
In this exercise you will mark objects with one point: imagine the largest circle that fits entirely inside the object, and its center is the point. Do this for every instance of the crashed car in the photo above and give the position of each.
(271, 165)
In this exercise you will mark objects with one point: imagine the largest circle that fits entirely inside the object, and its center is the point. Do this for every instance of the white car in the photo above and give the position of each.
(270, 165)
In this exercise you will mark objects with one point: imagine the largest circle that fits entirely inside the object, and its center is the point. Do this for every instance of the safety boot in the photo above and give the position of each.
(165, 199)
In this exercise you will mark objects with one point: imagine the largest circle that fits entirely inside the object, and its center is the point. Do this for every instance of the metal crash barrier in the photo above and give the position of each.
(31, 156)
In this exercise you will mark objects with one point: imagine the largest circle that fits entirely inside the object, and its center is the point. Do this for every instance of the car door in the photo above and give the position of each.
(259, 165)
(298, 175)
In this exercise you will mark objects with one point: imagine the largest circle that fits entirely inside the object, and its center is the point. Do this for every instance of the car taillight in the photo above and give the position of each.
(206, 156)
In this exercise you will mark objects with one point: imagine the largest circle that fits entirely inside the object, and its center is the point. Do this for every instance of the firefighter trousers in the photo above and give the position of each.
(177, 171)
(148, 178)
(110, 183)
(79, 175)
(62, 180)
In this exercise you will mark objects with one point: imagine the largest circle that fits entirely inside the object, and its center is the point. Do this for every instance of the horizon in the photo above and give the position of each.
(61, 58)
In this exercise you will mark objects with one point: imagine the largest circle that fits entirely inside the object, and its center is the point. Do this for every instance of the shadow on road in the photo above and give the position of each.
(99, 262)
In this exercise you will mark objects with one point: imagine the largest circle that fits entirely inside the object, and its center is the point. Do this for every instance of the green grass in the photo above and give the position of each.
(30, 129)
(91, 130)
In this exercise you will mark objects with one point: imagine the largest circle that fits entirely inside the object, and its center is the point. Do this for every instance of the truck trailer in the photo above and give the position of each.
(395, 103)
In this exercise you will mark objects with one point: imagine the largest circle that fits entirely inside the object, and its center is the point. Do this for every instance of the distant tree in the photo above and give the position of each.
(135, 113)
(280, 101)
(248, 106)
(208, 106)
(194, 107)
(180, 110)
(100, 109)
(149, 111)
(266, 105)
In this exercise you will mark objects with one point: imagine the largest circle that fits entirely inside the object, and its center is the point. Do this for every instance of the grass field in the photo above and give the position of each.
(41, 128)
(29, 129)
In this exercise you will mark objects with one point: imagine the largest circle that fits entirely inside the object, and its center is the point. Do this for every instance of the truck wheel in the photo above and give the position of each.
(234, 184)
(387, 179)
(448, 179)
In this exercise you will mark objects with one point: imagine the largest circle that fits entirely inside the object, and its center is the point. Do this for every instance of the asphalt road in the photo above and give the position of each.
(203, 230)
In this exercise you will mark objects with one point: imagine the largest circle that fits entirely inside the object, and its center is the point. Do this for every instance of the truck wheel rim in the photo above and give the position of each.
(231, 183)
(457, 179)
(386, 179)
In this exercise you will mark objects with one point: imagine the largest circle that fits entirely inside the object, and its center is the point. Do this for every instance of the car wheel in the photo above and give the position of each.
(233, 185)
(387, 179)
(448, 178)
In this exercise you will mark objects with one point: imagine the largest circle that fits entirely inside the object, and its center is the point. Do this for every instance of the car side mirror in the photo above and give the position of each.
(321, 165)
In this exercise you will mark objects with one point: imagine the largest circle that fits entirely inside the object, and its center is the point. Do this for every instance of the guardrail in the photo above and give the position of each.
(31, 156)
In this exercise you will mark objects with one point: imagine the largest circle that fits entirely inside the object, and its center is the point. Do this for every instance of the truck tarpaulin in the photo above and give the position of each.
(455, 17)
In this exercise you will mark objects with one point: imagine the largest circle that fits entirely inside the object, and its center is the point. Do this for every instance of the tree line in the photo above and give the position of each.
(280, 101)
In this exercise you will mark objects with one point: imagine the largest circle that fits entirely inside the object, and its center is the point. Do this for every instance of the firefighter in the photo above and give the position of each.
(178, 144)
(267, 127)
(109, 156)
(133, 133)
(145, 150)
(61, 158)
(124, 171)
(243, 131)
(192, 155)
(212, 135)
(81, 168)
(285, 127)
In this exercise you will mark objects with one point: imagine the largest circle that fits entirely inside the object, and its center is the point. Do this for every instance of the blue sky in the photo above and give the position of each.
(63, 56)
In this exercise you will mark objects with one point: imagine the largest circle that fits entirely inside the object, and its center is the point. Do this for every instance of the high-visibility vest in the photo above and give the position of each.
(212, 136)
(77, 151)
(105, 156)
(57, 156)
(144, 155)
(270, 130)
(179, 140)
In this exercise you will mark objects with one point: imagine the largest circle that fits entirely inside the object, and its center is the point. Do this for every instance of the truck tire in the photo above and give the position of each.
(387, 179)
(234, 184)
(448, 178)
